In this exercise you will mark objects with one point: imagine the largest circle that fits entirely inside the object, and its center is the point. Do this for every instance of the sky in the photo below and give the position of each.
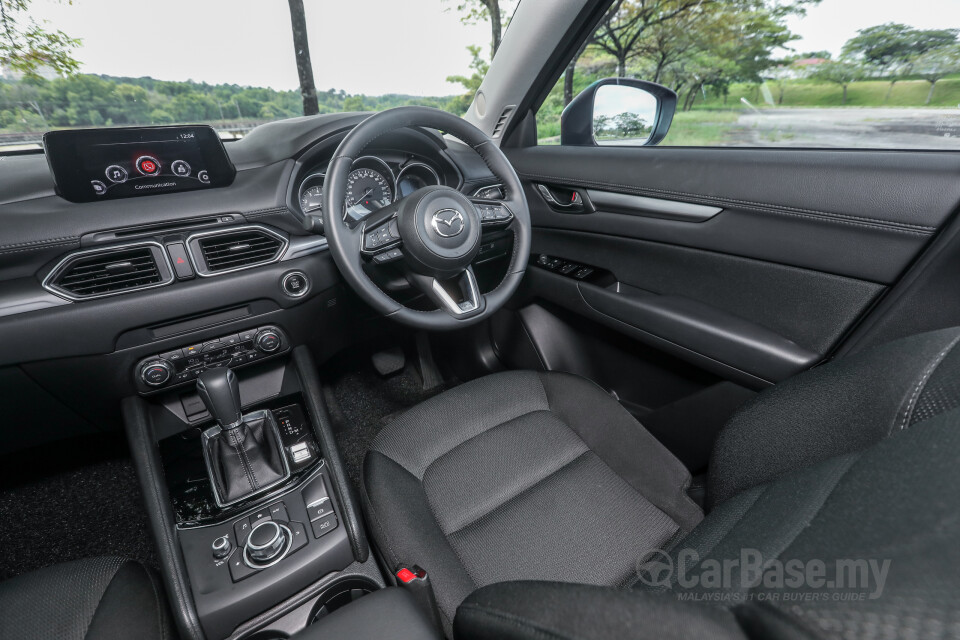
(360, 46)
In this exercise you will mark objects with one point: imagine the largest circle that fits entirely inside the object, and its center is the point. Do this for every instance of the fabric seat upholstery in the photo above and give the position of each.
(522, 475)
(93, 599)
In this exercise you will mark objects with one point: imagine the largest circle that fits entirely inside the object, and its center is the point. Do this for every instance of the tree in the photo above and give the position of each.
(28, 46)
(628, 20)
(933, 65)
(472, 82)
(301, 49)
(481, 10)
(841, 72)
(891, 46)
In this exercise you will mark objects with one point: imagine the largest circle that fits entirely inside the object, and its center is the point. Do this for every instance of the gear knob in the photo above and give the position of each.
(220, 392)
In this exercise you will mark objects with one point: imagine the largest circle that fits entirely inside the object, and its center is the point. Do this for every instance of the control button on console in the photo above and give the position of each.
(298, 536)
(279, 512)
(156, 373)
(221, 547)
(266, 542)
(324, 526)
(268, 341)
(263, 514)
(249, 334)
(241, 529)
(238, 568)
(314, 492)
(172, 356)
(320, 509)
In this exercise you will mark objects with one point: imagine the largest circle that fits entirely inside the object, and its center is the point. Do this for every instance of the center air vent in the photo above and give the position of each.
(223, 251)
(105, 272)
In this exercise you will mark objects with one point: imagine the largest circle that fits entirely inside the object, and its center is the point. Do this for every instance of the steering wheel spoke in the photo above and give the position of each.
(380, 234)
(494, 214)
(459, 296)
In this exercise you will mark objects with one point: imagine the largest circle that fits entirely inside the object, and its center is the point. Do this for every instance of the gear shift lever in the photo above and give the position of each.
(244, 453)
(220, 392)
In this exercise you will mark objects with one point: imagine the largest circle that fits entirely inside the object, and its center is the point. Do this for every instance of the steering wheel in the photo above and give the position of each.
(433, 233)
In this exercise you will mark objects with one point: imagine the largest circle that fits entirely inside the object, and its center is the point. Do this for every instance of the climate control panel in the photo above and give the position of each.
(183, 365)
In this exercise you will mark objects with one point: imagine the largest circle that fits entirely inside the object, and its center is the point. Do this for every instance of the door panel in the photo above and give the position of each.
(864, 215)
(780, 257)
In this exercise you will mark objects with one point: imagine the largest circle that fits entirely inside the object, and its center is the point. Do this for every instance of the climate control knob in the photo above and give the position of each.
(156, 373)
(267, 542)
(268, 341)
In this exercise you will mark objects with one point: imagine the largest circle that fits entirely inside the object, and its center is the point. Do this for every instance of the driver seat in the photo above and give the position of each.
(544, 476)
(522, 475)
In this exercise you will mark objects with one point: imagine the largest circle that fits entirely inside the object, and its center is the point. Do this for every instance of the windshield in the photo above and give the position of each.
(233, 64)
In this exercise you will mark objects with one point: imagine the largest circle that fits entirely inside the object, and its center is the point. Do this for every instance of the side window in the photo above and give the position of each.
(774, 73)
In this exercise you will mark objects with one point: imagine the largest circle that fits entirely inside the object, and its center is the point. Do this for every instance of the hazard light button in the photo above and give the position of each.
(180, 261)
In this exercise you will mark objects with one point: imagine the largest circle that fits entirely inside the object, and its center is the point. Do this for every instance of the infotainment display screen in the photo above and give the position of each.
(103, 164)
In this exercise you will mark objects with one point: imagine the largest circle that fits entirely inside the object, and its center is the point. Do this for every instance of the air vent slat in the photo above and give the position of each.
(109, 272)
(239, 249)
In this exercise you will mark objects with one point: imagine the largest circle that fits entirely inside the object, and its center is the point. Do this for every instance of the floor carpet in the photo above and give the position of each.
(361, 403)
(76, 512)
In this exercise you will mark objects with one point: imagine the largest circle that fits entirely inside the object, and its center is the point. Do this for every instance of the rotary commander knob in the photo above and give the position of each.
(156, 373)
(266, 542)
(268, 341)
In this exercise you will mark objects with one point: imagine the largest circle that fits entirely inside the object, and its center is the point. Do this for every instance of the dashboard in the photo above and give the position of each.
(93, 290)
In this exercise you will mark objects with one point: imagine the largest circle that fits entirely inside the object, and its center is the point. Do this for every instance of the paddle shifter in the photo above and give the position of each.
(244, 453)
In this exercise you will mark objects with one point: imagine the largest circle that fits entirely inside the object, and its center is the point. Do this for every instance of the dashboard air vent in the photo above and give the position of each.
(231, 250)
(108, 272)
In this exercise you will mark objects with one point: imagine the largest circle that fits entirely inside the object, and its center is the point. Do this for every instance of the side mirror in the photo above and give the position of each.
(618, 111)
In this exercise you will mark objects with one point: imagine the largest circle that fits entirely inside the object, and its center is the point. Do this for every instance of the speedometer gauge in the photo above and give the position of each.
(367, 190)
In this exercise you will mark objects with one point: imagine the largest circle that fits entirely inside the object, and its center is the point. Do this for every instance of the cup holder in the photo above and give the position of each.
(339, 594)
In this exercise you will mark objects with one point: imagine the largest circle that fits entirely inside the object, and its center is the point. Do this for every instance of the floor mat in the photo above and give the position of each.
(82, 512)
(361, 403)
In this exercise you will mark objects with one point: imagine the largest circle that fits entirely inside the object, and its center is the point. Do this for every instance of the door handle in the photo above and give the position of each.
(564, 200)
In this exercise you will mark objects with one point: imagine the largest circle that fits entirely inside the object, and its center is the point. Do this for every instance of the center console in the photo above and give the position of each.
(251, 546)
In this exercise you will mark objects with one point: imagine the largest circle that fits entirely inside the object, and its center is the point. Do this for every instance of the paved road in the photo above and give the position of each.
(849, 127)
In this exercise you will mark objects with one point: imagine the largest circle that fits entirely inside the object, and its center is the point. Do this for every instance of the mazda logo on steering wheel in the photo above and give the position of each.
(448, 223)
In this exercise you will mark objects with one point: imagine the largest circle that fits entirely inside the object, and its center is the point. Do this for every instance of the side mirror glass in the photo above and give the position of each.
(623, 115)
(618, 111)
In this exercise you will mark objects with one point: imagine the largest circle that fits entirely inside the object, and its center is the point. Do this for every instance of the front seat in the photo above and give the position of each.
(543, 476)
(101, 598)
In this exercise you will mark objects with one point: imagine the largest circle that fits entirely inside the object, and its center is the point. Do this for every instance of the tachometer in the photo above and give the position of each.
(367, 190)
(311, 199)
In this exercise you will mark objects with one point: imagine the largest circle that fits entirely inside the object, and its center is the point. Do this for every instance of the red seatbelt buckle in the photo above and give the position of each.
(416, 581)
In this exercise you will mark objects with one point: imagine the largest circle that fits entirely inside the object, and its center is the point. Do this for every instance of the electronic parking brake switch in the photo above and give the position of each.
(323, 519)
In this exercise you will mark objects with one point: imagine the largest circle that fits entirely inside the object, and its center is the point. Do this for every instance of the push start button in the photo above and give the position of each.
(295, 284)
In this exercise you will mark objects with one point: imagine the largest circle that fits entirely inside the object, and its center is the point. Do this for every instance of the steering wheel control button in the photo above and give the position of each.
(323, 526)
(295, 284)
(388, 256)
(156, 373)
(494, 213)
(148, 166)
(180, 168)
(117, 174)
(268, 341)
(181, 264)
(221, 547)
